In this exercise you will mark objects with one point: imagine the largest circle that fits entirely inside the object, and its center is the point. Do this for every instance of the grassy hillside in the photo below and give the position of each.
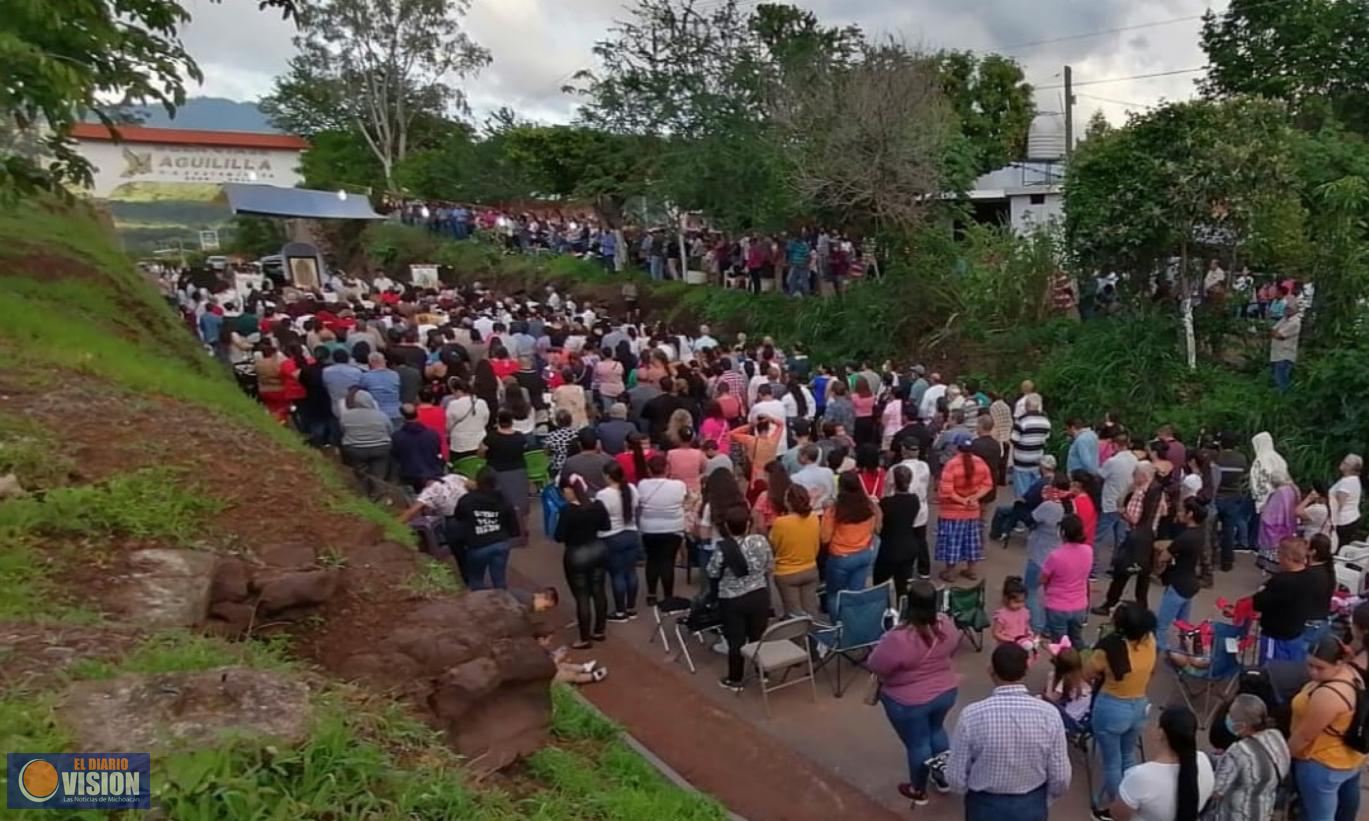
(127, 437)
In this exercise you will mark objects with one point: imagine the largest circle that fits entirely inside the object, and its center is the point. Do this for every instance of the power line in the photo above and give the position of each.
(1135, 26)
(1131, 77)
(1130, 103)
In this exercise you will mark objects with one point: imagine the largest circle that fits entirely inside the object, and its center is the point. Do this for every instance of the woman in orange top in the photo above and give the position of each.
(761, 444)
(959, 530)
(1326, 769)
(849, 531)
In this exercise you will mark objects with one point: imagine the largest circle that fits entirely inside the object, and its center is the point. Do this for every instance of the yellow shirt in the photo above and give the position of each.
(1328, 748)
(1142, 657)
(794, 539)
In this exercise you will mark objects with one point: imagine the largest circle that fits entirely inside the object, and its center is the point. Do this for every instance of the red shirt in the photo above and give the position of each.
(434, 418)
(504, 367)
(389, 298)
(289, 374)
(1088, 514)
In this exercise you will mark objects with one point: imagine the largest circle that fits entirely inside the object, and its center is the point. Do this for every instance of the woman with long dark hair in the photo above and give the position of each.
(623, 541)
(518, 405)
(1126, 659)
(586, 558)
(503, 450)
(1176, 782)
(863, 401)
(634, 457)
(965, 480)
(770, 505)
(917, 685)
(485, 385)
(900, 548)
(741, 566)
(795, 538)
(849, 532)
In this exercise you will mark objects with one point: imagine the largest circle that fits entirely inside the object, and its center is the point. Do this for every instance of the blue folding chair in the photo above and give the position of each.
(1219, 676)
(858, 623)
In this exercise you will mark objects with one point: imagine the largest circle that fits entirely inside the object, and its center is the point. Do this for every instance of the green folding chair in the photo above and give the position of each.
(968, 609)
(468, 466)
(539, 468)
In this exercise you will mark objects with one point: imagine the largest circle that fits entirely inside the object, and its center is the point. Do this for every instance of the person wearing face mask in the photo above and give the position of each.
(1251, 769)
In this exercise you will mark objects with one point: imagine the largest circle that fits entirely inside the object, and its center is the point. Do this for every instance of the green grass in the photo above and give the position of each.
(31, 453)
(181, 652)
(151, 503)
(433, 578)
(27, 589)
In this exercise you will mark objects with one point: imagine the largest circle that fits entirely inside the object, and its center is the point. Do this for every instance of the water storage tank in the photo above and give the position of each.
(1046, 137)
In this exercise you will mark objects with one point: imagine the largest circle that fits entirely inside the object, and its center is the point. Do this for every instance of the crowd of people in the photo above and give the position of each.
(788, 481)
(796, 262)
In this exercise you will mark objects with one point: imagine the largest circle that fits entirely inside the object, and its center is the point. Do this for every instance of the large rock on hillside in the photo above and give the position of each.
(164, 587)
(170, 711)
(476, 668)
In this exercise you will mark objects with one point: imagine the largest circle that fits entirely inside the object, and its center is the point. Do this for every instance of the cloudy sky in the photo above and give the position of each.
(538, 44)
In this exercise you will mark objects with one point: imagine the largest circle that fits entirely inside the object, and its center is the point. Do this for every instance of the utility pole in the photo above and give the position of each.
(1069, 112)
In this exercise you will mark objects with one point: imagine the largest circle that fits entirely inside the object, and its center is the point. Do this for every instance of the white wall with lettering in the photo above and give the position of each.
(119, 163)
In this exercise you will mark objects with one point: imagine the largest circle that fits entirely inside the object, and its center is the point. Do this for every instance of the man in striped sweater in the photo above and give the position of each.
(1029, 435)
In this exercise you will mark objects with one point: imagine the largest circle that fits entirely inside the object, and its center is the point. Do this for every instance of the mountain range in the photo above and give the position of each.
(207, 113)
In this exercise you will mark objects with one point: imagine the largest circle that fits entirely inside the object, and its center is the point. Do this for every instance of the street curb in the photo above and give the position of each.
(651, 758)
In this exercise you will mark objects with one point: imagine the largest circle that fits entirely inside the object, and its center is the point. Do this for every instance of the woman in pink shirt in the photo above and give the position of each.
(1065, 583)
(608, 379)
(714, 426)
(863, 400)
(917, 685)
(686, 462)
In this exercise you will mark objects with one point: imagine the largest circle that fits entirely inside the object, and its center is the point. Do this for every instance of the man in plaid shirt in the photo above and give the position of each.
(1008, 753)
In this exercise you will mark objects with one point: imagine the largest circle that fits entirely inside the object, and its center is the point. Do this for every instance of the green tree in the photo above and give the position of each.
(1176, 179)
(1098, 125)
(341, 160)
(256, 236)
(380, 65)
(1312, 54)
(62, 60)
(577, 162)
(994, 102)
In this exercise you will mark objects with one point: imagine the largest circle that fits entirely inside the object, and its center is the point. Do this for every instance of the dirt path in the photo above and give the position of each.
(754, 774)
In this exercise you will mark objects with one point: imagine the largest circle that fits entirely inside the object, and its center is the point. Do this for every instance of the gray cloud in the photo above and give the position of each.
(538, 44)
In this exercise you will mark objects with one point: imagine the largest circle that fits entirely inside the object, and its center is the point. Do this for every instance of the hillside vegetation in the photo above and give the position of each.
(130, 441)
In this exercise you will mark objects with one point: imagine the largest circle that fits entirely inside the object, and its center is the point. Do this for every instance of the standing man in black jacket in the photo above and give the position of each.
(1181, 576)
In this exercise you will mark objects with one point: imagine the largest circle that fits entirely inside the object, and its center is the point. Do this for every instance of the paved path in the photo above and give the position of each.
(810, 760)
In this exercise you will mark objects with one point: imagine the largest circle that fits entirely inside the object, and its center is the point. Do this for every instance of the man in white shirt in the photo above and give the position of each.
(1028, 392)
(767, 405)
(705, 341)
(817, 479)
(931, 396)
(485, 325)
(1117, 474)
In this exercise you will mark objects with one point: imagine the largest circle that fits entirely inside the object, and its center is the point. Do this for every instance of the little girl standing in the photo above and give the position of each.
(1012, 621)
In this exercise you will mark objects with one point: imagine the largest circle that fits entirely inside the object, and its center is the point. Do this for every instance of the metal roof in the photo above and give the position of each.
(301, 203)
(183, 136)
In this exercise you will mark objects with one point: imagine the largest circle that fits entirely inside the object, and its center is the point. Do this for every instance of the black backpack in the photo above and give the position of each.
(1356, 736)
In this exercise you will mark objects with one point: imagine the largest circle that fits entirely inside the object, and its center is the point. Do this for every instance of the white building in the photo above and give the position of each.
(174, 155)
(1028, 192)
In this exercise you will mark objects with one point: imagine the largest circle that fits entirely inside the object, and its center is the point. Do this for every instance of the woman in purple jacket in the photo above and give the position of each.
(917, 685)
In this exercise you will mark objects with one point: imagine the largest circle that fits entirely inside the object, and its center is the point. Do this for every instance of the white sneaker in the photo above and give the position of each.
(720, 647)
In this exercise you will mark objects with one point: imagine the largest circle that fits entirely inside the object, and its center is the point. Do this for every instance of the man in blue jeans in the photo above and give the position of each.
(1008, 752)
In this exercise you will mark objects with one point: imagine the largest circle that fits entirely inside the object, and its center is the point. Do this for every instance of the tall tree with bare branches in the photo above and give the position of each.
(380, 65)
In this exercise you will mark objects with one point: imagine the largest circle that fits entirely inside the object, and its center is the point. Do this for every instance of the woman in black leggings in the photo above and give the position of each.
(661, 518)
(586, 559)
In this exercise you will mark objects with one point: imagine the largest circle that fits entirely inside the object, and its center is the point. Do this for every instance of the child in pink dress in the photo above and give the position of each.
(1012, 621)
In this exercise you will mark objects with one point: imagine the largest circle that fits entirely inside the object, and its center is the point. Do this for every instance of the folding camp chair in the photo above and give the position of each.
(783, 646)
(858, 624)
(539, 468)
(468, 466)
(967, 608)
(680, 616)
(1219, 676)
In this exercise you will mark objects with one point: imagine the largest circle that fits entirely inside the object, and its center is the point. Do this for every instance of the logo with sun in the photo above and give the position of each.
(38, 781)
